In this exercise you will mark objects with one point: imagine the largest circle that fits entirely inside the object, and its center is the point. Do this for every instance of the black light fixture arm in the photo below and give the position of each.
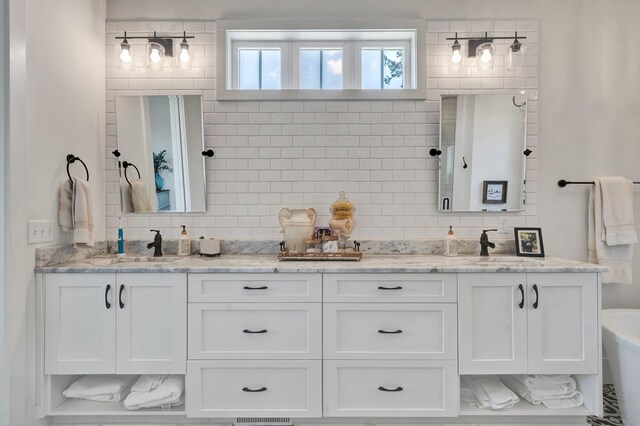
(149, 37)
(485, 37)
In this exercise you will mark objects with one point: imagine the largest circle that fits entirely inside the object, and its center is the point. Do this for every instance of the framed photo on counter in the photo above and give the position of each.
(529, 242)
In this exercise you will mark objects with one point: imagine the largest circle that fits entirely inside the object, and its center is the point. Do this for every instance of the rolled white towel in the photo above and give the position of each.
(168, 393)
(100, 388)
(148, 382)
(554, 396)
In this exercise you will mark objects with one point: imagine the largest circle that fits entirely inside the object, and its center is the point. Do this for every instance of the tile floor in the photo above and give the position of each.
(611, 411)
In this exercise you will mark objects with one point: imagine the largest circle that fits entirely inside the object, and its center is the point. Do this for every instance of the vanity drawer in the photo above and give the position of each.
(390, 287)
(255, 287)
(391, 389)
(254, 389)
(390, 330)
(255, 330)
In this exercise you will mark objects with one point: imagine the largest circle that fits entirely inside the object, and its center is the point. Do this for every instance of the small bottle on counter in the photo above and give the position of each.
(451, 243)
(184, 243)
(120, 237)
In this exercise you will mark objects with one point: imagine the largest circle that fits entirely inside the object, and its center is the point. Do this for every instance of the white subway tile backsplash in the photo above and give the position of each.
(301, 153)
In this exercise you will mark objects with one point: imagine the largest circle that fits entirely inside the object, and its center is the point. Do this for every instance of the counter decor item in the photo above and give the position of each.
(451, 243)
(209, 247)
(184, 242)
(297, 227)
(342, 222)
(529, 242)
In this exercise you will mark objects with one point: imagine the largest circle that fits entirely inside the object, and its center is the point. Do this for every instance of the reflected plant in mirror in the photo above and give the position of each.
(482, 164)
(162, 139)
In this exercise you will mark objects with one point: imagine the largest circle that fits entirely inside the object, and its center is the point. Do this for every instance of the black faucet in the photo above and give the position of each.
(485, 243)
(156, 244)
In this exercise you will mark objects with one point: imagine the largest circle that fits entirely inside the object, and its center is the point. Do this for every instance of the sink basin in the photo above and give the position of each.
(510, 260)
(112, 260)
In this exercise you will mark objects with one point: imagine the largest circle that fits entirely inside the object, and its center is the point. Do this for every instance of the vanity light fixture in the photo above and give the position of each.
(157, 49)
(184, 59)
(483, 49)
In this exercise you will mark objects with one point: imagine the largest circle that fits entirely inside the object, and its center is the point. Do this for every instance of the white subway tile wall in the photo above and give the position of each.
(301, 154)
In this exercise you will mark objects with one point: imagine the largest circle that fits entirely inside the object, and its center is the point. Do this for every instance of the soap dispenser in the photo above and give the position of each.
(451, 243)
(184, 243)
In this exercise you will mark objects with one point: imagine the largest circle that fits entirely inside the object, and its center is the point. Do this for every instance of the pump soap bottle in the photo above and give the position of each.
(451, 244)
(184, 243)
(120, 237)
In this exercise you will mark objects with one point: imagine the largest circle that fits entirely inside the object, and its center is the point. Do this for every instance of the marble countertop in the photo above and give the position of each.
(260, 263)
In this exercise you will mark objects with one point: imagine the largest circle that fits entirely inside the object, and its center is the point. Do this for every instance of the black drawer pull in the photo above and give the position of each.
(535, 289)
(246, 389)
(254, 332)
(383, 389)
(106, 296)
(246, 287)
(521, 304)
(390, 332)
(390, 288)
(120, 296)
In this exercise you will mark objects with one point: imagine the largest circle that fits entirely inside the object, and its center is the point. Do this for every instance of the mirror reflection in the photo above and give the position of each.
(482, 165)
(161, 139)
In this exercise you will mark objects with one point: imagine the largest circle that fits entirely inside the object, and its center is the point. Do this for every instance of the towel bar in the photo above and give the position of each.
(562, 183)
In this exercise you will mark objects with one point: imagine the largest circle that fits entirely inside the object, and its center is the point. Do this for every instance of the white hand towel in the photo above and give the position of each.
(617, 211)
(65, 210)
(82, 213)
(99, 388)
(140, 196)
(563, 382)
(617, 258)
(169, 393)
(556, 393)
(148, 382)
(491, 392)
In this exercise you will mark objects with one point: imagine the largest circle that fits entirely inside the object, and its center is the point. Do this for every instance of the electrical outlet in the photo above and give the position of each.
(502, 225)
(40, 231)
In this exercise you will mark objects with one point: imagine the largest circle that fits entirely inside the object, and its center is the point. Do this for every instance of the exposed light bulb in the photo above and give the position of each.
(456, 57)
(125, 55)
(184, 55)
(125, 52)
(486, 55)
(154, 56)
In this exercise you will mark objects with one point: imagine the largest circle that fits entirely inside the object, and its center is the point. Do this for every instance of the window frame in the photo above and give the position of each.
(258, 45)
(256, 33)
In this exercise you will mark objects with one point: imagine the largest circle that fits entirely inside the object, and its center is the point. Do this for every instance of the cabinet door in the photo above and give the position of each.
(152, 323)
(80, 324)
(563, 325)
(492, 322)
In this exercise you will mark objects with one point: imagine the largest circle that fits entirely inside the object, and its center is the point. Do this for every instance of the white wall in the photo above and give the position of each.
(57, 108)
(588, 94)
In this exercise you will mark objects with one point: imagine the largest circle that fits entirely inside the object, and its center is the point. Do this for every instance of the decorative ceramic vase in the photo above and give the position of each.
(342, 222)
(297, 226)
(159, 182)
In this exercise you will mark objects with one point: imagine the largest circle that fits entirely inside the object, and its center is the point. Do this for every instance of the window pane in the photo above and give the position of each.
(309, 69)
(249, 66)
(271, 69)
(332, 69)
(371, 73)
(393, 69)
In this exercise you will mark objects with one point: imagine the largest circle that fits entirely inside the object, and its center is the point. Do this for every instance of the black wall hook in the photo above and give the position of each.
(208, 153)
(434, 152)
(464, 163)
(527, 152)
(116, 153)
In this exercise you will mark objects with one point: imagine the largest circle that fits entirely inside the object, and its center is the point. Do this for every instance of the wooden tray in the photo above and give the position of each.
(353, 256)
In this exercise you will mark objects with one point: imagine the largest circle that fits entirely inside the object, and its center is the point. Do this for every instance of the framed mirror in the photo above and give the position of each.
(482, 161)
(161, 166)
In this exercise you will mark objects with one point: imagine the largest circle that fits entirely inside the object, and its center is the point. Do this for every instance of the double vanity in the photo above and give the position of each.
(383, 340)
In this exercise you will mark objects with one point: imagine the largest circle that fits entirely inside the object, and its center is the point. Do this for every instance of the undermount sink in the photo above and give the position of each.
(112, 260)
(513, 260)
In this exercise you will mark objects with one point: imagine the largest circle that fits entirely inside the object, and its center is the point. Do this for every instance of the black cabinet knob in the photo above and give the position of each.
(208, 153)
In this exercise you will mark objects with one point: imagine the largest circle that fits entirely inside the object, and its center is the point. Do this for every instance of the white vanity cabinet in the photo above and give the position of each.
(534, 323)
(107, 323)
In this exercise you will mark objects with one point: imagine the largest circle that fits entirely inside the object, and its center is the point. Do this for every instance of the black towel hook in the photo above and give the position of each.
(126, 165)
(72, 159)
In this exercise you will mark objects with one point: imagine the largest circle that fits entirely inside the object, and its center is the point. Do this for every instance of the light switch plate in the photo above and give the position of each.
(40, 231)
(502, 225)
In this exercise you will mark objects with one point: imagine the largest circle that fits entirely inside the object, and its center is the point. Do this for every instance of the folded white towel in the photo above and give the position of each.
(168, 394)
(618, 258)
(65, 209)
(148, 382)
(617, 211)
(100, 388)
(82, 213)
(491, 392)
(551, 391)
(140, 196)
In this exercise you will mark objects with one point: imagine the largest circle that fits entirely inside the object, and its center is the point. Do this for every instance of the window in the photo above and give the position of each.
(323, 64)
